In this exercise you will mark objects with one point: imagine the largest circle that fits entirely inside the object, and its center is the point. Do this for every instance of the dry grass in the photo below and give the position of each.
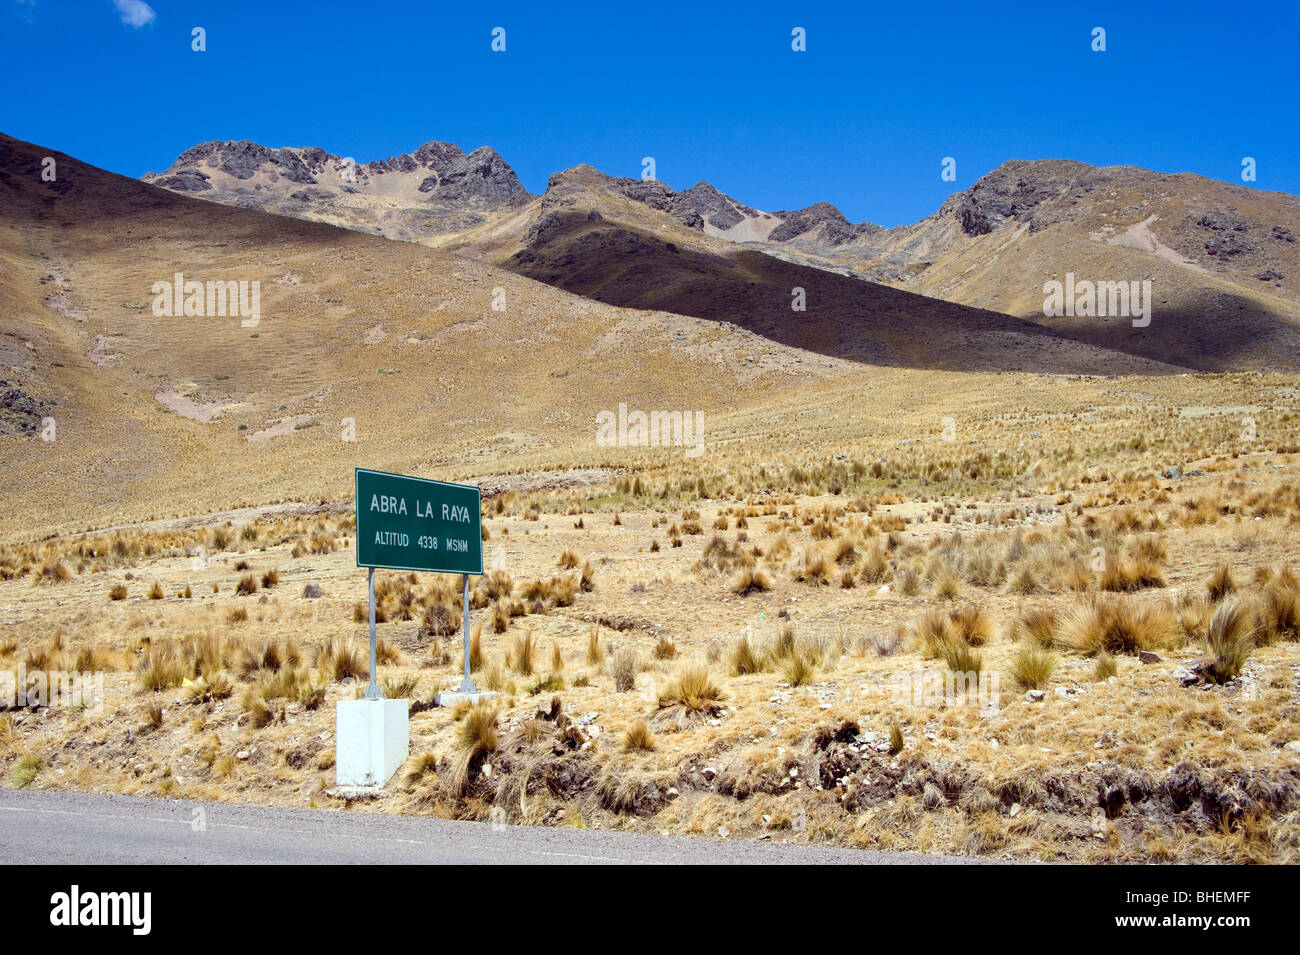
(1116, 625)
(1230, 640)
(339, 660)
(691, 693)
(476, 737)
(623, 668)
(1032, 667)
(639, 737)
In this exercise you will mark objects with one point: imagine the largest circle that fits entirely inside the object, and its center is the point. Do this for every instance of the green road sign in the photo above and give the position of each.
(410, 523)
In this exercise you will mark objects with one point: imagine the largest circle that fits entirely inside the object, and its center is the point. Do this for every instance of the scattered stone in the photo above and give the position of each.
(1146, 656)
(312, 592)
(353, 793)
(1034, 696)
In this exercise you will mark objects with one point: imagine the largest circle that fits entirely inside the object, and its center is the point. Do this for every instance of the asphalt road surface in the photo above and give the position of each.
(88, 829)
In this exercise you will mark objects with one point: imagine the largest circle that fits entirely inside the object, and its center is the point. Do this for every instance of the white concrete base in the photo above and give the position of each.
(374, 739)
(453, 697)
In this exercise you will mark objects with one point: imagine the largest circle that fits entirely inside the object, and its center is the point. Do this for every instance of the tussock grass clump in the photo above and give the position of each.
(568, 560)
(420, 768)
(751, 580)
(551, 683)
(895, 740)
(441, 618)
(960, 658)
(25, 769)
(595, 652)
(54, 573)
(476, 737)
(153, 716)
(338, 660)
(971, 625)
(873, 567)
(624, 668)
(400, 688)
(783, 644)
(247, 585)
(798, 669)
(1135, 571)
(386, 653)
(1230, 638)
(1032, 667)
(744, 658)
(160, 668)
(1279, 610)
(237, 615)
(1221, 583)
(932, 632)
(665, 649)
(499, 615)
(563, 591)
(270, 579)
(1104, 667)
(639, 737)
(476, 649)
(909, 581)
(1036, 626)
(252, 659)
(522, 653)
(814, 569)
(1116, 625)
(947, 585)
(156, 591)
(498, 584)
(691, 694)
(117, 592)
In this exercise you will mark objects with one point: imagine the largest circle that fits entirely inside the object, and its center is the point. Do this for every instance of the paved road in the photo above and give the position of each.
(82, 829)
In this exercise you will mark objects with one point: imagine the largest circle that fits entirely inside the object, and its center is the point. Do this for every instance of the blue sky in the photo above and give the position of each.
(861, 119)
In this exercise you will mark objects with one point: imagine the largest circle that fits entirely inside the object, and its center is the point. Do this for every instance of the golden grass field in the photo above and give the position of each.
(709, 645)
(787, 740)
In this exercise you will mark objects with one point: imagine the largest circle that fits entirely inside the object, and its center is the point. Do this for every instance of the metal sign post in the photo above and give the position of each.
(373, 692)
(467, 684)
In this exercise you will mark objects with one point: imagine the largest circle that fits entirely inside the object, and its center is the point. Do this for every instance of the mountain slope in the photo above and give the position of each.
(162, 416)
(588, 236)
(1223, 260)
(437, 188)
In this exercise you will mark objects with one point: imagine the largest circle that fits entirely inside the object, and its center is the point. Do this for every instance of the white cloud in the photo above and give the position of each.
(135, 13)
